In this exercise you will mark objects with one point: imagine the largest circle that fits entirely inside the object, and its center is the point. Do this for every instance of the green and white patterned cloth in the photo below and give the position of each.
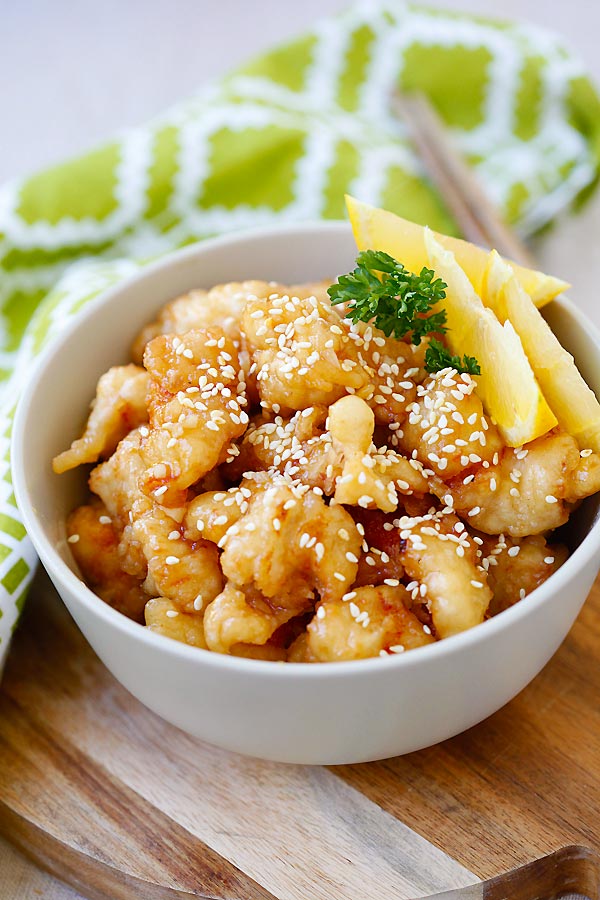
(283, 138)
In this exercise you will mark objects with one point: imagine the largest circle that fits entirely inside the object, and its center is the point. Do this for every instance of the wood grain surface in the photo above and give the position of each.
(112, 799)
(115, 801)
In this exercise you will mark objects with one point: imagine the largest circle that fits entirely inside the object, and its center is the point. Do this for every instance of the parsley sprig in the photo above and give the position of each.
(399, 302)
(382, 290)
(438, 357)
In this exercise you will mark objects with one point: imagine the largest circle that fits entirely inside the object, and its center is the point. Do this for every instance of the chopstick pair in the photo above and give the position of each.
(476, 216)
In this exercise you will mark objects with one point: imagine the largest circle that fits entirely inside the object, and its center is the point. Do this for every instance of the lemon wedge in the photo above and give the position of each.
(378, 229)
(571, 400)
(507, 385)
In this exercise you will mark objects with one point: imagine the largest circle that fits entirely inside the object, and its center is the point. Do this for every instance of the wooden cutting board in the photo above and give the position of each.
(122, 805)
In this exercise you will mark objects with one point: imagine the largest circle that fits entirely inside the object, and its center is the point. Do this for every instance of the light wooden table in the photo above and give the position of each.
(74, 73)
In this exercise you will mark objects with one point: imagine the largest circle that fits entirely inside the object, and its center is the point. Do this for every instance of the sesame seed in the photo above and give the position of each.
(172, 613)
(513, 551)
(321, 612)
(585, 453)
(221, 520)
(104, 520)
(397, 648)
(392, 582)
(351, 557)
(474, 511)
(477, 584)
(522, 594)
(548, 560)
(550, 498)
(200, 525)
(198, 602)
(174, 536)
(73, 539)
(160, 491)
(339, 576)
(172, 560)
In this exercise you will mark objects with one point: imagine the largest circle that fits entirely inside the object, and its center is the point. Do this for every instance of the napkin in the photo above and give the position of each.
(282, 138)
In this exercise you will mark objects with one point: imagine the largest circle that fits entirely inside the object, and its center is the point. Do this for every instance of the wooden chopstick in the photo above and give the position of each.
(475, 214)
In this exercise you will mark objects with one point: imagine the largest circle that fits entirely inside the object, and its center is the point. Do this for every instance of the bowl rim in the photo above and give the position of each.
(58, 569)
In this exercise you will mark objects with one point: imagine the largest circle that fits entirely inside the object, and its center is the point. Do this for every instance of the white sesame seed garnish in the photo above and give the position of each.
(221, 520)
(548, 560)
(339, 576)
(160, 491)
(585, 453)
(172, 613)
(321, 612)
(174, 535)
(513, 551)
(550, 498)
(474, 511)
(522, 594)
(397, 648)
(105, 520)
(172, 560)
(73, 539)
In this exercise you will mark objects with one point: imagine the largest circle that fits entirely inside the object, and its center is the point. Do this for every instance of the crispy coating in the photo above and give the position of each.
(369, 478)
(340, 459)
(152, 545)
(96, 552)
(531, 490)
(395, 369)
(369, 621)
(119, 406)
(222, 306)
(163, 618)
(241, 617)
(302, 352)
(288, 543)
(447, 429)
(440, 556)
(196, 395)
(516, 567)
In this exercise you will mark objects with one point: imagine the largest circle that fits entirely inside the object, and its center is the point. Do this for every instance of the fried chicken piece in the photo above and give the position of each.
(163, 618)
(368, 621)
(242, 617)
(440, 556)
(119, 407)
(516, 567)
(530, 490)
(302, 351)
(396, 369)
(288, 541)
(369, 478)
(153, 546)
(94, 542)
(447, 428)
(281, 546)
(196, 396)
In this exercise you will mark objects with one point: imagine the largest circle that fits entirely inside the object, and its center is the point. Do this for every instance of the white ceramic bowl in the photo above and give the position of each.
(326, 713)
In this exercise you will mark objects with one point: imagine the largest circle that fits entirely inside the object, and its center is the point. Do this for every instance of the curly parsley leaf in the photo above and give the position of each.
(438, 357)
(398, 302)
